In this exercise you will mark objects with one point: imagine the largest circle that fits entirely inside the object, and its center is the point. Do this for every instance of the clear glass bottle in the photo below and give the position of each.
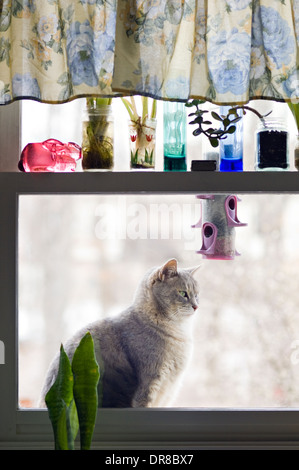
(231, 148)
(98, 138)
(209, 152)
(272, 145)
(174, 122)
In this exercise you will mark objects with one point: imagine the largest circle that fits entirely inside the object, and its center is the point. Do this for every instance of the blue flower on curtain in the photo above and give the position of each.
(80, 53)
(25, 85)
(104, 42)
(177, 87)
(229, 61)
(47, 27)
(277, 40)
(258, 63)
(291, 85)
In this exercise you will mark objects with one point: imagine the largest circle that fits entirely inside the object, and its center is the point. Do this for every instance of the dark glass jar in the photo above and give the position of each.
(272, 145)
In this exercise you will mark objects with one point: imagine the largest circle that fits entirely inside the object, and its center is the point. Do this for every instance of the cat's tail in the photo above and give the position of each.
(51, 375)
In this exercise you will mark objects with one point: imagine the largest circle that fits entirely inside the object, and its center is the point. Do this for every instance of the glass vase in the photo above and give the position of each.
(98, 138)
(174, 122)
(231, 148)
(143, 144)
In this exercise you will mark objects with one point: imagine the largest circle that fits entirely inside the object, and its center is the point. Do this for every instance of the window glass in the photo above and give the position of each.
(81, 258)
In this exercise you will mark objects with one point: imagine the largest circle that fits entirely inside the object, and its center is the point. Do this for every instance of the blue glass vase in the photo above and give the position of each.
(174, 121)
(231, 148)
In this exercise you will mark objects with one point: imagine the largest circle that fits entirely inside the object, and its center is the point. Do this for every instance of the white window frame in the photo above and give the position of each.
(122, 428)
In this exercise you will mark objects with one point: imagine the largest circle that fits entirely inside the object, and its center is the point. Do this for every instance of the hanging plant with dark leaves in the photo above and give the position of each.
(228, 121)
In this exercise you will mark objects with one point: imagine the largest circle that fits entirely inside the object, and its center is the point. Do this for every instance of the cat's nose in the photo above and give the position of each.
(195, 307)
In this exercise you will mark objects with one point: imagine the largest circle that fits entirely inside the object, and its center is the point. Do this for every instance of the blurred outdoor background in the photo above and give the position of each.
(81, 258)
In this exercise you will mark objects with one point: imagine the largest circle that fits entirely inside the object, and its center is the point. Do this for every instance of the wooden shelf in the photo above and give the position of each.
(149, 182)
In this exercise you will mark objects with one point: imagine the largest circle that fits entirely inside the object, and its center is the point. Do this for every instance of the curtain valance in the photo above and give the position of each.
(224, 51)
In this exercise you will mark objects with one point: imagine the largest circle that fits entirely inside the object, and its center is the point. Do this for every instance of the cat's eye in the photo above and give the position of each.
(183, 294)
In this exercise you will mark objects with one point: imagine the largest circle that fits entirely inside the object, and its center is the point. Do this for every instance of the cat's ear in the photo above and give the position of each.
(169, 269)
(193, 270)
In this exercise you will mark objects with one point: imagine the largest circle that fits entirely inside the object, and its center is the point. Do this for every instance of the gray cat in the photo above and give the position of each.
(145, 350)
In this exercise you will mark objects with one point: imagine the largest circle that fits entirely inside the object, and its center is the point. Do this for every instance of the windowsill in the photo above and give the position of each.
(153, 182)
(171, 428)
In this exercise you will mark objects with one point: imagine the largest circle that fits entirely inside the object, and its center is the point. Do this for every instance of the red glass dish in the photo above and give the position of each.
(50, 156)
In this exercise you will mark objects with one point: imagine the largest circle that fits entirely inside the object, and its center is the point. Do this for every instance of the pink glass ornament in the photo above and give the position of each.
(50, 156)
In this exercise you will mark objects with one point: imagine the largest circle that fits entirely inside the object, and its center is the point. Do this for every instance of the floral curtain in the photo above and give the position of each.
(224, 51)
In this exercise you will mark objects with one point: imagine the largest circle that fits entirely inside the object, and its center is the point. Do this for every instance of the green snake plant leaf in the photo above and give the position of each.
(61, 406)
(294, 107)
(67, 427)
(86, 377)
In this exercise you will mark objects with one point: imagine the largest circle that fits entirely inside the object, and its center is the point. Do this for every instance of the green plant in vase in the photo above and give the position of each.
(142, 129)
(98, 135)
(226, 122)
